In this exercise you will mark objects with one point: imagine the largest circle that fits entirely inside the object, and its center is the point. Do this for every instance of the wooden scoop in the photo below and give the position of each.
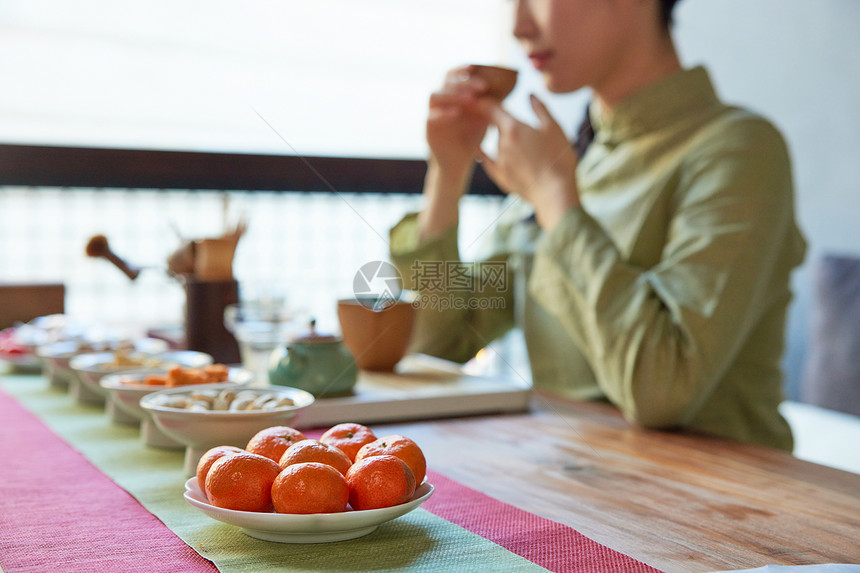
(98, 247)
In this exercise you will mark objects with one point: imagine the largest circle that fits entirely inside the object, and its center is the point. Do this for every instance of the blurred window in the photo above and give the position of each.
(332, 77)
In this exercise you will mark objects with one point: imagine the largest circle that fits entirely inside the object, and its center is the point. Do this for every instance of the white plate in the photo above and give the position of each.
(311, 528)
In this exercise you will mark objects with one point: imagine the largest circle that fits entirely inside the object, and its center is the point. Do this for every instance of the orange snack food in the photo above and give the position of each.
(209, 458)
(242, 482)
(273, 442)
(310, 487)
(399, 447)
(379, 481)
(179, 376)
(348, 437)
(315, 451)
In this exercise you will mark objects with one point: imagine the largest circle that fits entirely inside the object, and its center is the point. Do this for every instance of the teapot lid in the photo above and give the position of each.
(313, 337)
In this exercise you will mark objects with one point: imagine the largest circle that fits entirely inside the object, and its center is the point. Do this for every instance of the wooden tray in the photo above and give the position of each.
(422, 387)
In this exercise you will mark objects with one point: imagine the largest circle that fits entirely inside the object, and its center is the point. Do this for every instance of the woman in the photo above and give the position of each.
(655, 269)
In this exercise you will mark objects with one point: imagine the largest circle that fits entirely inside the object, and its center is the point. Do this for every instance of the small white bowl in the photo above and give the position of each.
(201, 431)
(44, 330)
(91, 368)
(56, 356)
(126, 389)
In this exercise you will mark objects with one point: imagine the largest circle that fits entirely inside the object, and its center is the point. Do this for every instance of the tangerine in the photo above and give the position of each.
(310, 487)
(209, 458)
(273, 442)
(315, 451)
(242, 482)
(348, 437)
(379, 481)
(399, 447)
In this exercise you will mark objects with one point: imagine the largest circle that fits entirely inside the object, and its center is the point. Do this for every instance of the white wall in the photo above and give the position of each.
(798, 63)
(332, 77)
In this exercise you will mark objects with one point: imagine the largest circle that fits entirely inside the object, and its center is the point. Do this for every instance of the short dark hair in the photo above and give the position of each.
(666, 7)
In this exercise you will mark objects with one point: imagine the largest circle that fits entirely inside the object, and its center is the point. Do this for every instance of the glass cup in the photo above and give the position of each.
(260, 326)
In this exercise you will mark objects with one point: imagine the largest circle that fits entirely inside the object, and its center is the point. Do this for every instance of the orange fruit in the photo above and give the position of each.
(209, 458)
(273, 442)
(242, 482)
(379, 481)
(348, 437)
(310, 487)
(399, 447)
(314, 451)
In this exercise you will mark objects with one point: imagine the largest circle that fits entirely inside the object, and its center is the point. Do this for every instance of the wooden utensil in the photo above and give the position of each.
(98, 247)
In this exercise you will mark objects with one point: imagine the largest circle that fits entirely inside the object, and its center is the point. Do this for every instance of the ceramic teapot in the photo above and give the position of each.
(317, 363)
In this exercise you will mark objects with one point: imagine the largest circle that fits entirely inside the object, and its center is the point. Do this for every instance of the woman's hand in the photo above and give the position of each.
(457, 120)
(538, 164)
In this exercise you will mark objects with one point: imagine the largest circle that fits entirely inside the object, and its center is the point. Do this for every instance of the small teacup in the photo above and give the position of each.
(377, 335)
(501, 81)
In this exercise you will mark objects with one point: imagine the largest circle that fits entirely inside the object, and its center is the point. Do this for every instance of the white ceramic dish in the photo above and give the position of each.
(89, 369)
(200, 431)
(312, 528)
(125, 390)
(52, 328)
(27, 362)
(57, 355)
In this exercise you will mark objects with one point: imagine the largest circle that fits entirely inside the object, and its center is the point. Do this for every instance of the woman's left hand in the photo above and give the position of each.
(538, 164)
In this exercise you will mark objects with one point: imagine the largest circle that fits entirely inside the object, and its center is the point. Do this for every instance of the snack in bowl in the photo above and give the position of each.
(57, 356)
(91, 368)
(125, 389)
(126, 356)
(179, 376)
(310, 501)
(200, 428)
(227, 399)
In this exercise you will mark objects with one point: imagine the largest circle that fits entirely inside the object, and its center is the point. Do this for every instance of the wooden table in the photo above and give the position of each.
(678, 502)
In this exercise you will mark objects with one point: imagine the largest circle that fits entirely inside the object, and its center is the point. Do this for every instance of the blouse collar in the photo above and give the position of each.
(672, 98)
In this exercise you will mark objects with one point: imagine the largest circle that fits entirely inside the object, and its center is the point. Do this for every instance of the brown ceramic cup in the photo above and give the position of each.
(377, 339)
(501, 81)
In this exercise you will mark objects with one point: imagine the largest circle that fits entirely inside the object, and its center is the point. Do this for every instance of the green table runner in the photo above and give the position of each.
(418, 541)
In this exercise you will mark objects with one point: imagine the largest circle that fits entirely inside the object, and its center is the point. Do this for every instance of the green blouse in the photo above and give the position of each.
(666, 292)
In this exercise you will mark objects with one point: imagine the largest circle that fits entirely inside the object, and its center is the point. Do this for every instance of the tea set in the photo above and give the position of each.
(373, 337)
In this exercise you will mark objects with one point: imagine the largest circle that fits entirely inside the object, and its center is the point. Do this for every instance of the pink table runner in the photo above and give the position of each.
(547, 543)
(78, 505)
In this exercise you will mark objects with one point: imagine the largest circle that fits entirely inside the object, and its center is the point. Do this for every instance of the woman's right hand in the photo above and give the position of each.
(456, 125)
(457, 121)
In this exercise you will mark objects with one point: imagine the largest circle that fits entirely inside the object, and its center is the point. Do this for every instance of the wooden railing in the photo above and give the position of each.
(49, 166)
